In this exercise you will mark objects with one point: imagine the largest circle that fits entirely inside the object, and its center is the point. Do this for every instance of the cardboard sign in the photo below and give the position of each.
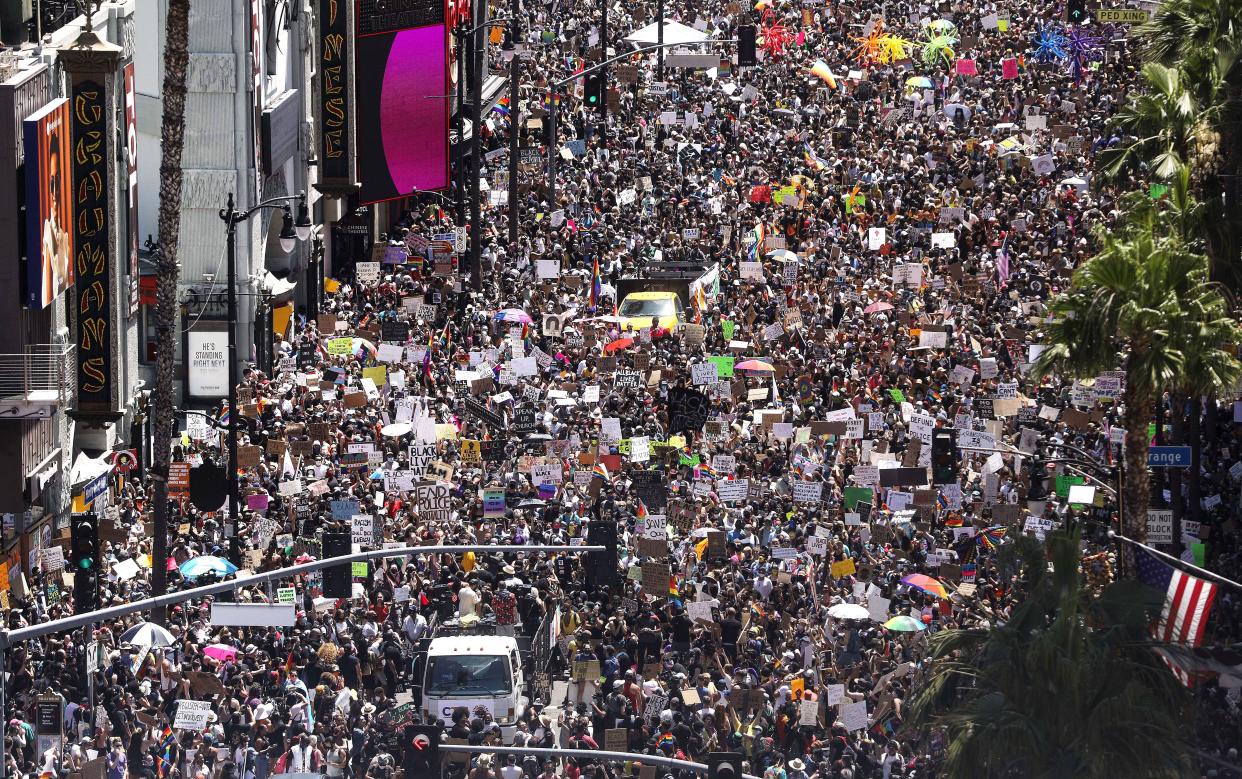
(656, 580)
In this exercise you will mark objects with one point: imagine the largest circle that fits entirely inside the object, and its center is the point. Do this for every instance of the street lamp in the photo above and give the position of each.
(291, 232)
(476, 97)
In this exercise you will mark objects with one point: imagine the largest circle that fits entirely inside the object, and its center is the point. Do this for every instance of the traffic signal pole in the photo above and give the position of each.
(10, 638)
(554, 91)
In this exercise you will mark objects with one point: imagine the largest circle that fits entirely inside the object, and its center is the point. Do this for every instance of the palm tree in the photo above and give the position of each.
(172, 141)
(1065, 687)
(1144, 298)
(1203, 39)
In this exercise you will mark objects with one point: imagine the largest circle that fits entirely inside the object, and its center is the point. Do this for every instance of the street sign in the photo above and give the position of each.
(1168, 457)
(1121, 15)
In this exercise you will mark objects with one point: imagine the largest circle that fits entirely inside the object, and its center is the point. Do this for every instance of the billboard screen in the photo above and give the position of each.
(49, 204)
(403, 114)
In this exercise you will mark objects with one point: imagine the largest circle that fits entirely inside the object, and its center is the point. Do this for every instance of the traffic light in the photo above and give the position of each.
(84, 557)
(746, 54)
(337, 580)
(594, 92)
(724, 765)
(1076, 11)
(601, 567)
(945, 456)
(422, 750)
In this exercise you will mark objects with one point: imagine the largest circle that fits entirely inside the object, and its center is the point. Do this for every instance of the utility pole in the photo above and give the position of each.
(460, 34)
(660, 41)
(476, 98)
(515, 118)
(603, 73)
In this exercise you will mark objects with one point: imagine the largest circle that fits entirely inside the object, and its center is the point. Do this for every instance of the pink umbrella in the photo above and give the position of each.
(877, 307)
(221, 652)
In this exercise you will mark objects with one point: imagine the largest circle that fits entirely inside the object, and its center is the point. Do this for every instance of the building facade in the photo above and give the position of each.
(248, 132)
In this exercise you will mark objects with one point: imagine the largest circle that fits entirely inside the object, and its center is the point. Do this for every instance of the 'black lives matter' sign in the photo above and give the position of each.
(687, 410)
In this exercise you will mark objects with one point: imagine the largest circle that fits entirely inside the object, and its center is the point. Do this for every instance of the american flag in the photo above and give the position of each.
(1187, 603)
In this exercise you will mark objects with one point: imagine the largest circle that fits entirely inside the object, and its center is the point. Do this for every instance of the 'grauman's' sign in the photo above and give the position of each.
(336, 166)
(91, 296)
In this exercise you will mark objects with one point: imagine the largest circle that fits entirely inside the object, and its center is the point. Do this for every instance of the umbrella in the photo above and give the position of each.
(396, 429)
(362, 345)
(197, 566)
(905, 624)
(877, 307)
(147, 634)
(848, 611)
(618, 345)
(755, 366)
(927, 584)
(784, 255)
(941, 24)
(513, 315)
(919, 82)
(221, 652)
(991, 537)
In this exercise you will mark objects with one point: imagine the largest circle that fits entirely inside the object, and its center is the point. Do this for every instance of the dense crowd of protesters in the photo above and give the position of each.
(929, 222)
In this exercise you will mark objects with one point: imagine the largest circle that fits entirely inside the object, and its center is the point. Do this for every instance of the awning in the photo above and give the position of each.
(674, 32)
(277, 286)
(280, 320)
(494, 88)
(89, 479)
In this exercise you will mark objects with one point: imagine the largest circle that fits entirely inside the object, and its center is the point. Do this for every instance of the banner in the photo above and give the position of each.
(49, 204)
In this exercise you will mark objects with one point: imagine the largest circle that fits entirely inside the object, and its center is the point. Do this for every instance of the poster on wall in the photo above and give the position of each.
(208, 363)
(403, 118)
(49, 204)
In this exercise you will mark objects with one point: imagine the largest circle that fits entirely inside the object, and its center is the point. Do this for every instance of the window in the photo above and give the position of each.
(468, 675)
(632, 307)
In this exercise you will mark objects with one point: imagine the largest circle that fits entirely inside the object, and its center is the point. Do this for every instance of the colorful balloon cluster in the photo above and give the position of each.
(879, 47)
(1074, 45)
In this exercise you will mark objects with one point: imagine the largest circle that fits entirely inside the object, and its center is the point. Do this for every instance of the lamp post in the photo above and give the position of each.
(291, 232)
(513, 54)
(476, 99)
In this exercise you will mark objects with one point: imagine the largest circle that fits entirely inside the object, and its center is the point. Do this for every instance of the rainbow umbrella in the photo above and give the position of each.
(926, 584)
(754, 366)
(905, 624)
(513, 315)
(991, 538)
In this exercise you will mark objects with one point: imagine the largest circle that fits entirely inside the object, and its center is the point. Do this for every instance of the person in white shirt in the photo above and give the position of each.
(892, 761)
(510, 770)
(467, 600)
(304, 757)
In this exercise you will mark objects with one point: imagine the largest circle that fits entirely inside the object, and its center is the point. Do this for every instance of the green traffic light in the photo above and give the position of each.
(86, 563)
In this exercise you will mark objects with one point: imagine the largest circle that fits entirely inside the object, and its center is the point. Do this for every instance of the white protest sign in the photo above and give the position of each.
(854, 715)
(192, 715)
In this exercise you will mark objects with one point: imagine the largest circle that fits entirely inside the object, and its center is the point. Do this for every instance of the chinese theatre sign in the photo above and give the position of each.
(336, 165)
(91, 297)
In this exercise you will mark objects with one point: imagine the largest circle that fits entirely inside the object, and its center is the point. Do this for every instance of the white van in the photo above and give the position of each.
(471, 671)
